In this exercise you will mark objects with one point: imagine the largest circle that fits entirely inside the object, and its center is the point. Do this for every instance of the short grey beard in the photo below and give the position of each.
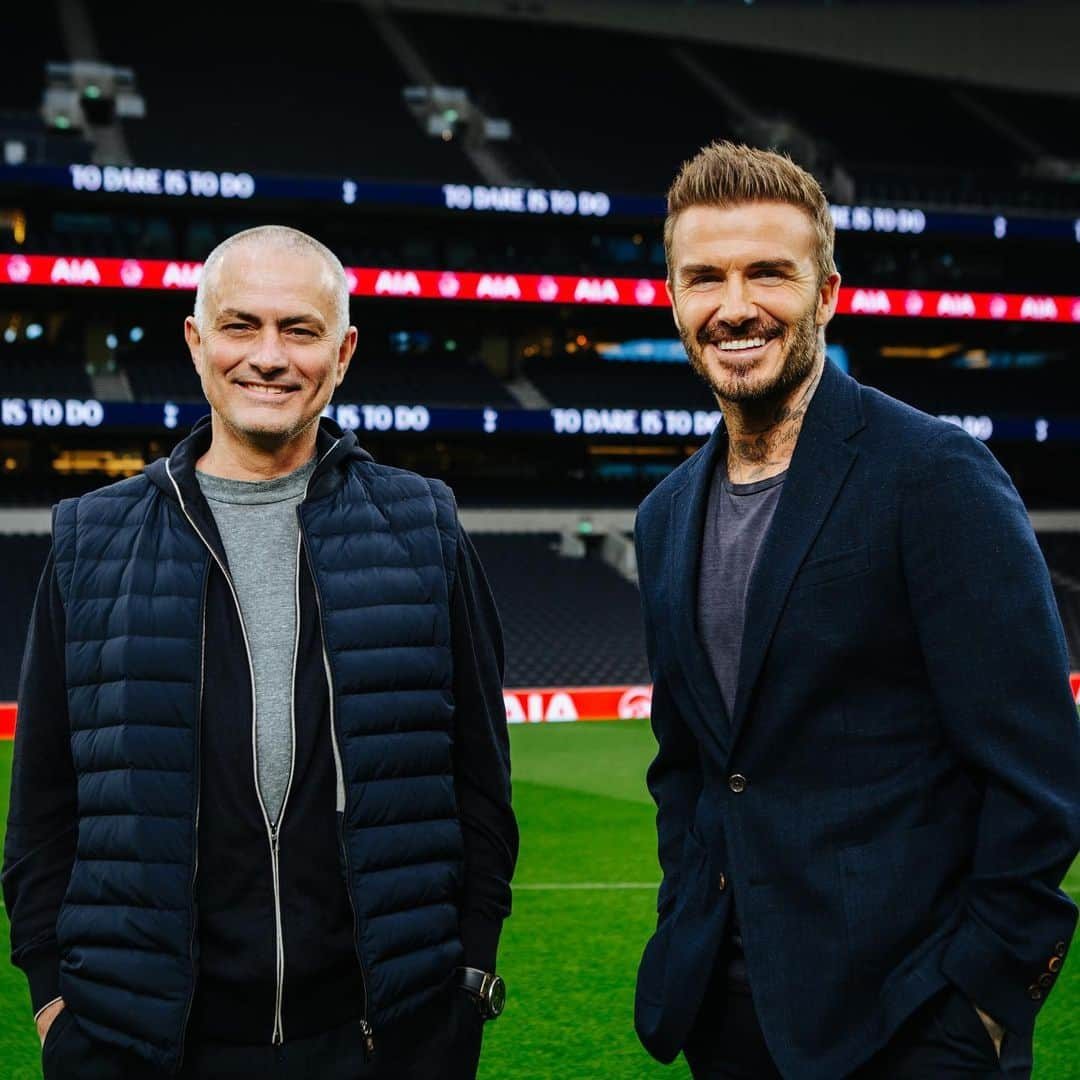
(266, 440)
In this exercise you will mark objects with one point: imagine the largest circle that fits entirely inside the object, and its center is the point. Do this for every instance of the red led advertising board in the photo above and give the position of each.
(454, 285)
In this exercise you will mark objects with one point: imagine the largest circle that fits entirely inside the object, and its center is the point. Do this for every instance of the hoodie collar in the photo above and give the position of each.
(175, 475)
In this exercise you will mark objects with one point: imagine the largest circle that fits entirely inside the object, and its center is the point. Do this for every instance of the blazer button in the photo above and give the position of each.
(1034, 993)
(721, 882)
(737, 782)
(1054, 964)
(1060, 948)
(1045, 979)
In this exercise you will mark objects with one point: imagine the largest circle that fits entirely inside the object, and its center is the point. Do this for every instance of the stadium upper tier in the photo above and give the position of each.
(587, 108)
(36, 29)
(624, 111)
(231, 89)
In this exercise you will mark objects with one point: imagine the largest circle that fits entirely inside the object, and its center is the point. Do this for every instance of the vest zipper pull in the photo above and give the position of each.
(369, 1039)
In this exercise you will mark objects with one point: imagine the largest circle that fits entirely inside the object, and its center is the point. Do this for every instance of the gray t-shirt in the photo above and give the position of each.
(260, 530)
(736, 520)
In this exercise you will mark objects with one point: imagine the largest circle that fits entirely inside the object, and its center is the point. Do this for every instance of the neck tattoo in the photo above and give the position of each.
(761, 452)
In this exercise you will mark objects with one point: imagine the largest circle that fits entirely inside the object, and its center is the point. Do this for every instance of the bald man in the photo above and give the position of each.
(260, 818)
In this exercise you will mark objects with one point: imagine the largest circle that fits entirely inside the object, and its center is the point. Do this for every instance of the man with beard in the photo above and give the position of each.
(866, 776)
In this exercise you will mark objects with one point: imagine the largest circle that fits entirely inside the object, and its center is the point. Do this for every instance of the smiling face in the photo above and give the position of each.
(269, 350)
(747, 299)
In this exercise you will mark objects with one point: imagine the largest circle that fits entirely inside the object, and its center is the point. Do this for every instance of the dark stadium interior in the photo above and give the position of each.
(590, 110)
(492, 175)
(593, 95)
(321, 110)
(587, 380)
(577, 99)
(31, 371)
(1062, 552)
(618, 247)
(566, 621)
(22, 557)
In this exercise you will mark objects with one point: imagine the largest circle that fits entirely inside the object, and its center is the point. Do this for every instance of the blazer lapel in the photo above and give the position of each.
(686, 532)
(819, 466)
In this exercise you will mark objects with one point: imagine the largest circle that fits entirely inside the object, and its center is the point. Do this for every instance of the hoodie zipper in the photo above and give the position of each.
(275, 830)
(198, 806)
(278, 1035)
(365, 1027)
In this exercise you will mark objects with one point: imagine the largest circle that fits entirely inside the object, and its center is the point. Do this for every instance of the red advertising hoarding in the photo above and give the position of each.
(73, 270)
(554, 705)
(546, 704)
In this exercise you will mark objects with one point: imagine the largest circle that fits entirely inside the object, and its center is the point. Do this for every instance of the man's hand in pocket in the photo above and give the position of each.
(993, 1029)
(46, 1017)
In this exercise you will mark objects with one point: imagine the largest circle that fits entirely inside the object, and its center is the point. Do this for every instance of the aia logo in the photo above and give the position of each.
(181, 275)
(636, 702)
(539, 706)
(352, 281)
(498, 287)
(449, 285)
(75, 272)
(956, 305)
(596, 291)
(18, 269)
(913, 303)
(999, 307)
(871, 302)
(397, 283)
(1039, 308)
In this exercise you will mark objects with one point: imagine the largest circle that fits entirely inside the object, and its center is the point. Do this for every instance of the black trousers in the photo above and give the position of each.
(942, 1040)
(441, 1042)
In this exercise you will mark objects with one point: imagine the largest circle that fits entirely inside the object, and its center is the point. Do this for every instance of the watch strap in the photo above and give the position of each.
(474, 980)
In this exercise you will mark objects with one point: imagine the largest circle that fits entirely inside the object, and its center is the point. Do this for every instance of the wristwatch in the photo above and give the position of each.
(488, 989)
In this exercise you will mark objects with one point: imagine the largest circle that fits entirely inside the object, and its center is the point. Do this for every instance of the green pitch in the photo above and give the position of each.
(583, 907)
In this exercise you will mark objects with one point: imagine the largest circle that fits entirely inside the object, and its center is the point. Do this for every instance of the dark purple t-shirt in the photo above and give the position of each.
(736, 520)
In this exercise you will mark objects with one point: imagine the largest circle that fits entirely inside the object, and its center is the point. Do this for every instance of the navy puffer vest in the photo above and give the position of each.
(133, 572)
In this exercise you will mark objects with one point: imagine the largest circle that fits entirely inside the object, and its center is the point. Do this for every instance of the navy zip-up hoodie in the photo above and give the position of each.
(235, 945)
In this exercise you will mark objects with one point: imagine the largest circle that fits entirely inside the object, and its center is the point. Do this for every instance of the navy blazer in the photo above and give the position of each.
(894, 801)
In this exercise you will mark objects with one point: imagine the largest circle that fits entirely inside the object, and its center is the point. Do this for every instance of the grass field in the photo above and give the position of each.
(583, 907)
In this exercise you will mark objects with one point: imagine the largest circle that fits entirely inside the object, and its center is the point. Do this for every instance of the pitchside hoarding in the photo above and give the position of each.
(459, 285)
(548, 705)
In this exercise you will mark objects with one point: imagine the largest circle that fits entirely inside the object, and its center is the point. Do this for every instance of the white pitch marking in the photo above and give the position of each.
(554, 886)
